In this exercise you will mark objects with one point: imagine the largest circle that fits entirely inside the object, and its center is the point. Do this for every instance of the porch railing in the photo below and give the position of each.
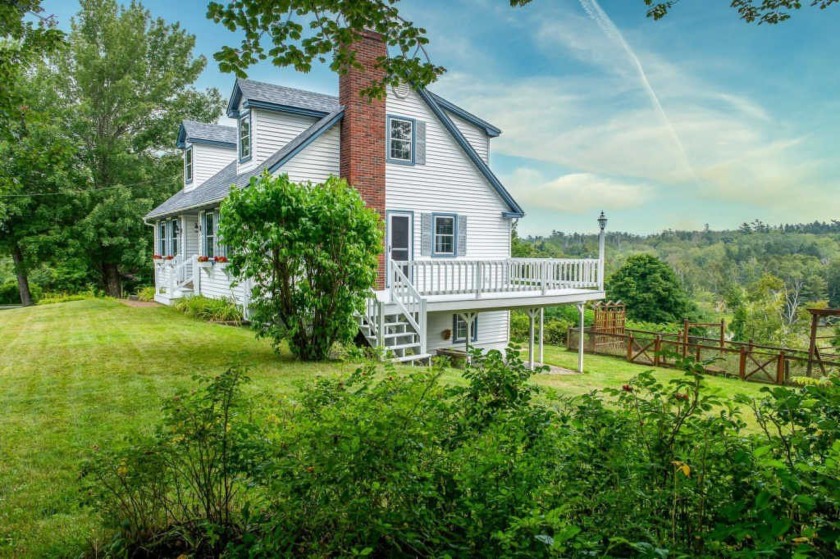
(478, 277)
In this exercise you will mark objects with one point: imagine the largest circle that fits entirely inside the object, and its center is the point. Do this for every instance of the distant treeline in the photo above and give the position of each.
(769, 270)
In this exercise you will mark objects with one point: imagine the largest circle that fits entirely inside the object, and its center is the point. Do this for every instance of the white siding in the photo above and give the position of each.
(476, 136)
(318, 160)
(492, 331)
(216, 284)
(191, 236)
(207, 161)
(448, 182)
(270, 131)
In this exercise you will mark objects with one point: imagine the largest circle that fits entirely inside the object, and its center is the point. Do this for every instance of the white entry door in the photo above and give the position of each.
(400, 233)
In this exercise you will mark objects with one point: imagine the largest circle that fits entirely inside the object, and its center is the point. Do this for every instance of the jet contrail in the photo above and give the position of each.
(600, 17)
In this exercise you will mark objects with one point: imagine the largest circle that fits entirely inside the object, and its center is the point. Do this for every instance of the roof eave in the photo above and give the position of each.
(488, 128)
(513, 206)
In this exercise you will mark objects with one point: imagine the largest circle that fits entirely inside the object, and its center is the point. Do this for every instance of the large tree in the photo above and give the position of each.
(298, 33)
(129, 80)
(26, 36)
(37, 172)
(649, 288)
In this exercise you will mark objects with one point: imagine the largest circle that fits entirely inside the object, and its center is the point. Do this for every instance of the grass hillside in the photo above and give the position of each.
(87, 374)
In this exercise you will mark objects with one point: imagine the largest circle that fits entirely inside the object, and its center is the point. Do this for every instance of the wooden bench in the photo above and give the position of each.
(458, 357)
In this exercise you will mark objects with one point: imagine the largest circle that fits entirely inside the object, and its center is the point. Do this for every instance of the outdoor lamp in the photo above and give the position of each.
(602, 221)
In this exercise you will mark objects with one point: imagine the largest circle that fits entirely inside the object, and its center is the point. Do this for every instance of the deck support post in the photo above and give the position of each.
(532, 315)
(602, 225)
(580, 341)
(469, 320)
(542, 335)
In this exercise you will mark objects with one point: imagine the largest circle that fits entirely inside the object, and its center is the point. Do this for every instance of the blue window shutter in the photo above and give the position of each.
(461, 249)
(425, 234)
(420, 143)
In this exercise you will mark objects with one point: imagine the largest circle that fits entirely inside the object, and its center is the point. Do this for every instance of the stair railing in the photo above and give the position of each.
(374, 318)
(409, 301)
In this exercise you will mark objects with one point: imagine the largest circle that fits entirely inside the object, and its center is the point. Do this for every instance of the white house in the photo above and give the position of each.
(446, 277)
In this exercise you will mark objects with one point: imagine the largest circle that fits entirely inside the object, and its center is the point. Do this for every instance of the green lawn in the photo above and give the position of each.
(90, 373)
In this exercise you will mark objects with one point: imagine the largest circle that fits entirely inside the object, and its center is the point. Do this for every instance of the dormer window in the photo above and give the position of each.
(245, 137)
(400, 140)
(188, 165)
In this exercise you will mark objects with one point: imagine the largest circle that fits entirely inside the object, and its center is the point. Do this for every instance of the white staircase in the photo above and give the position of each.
(397, 327)
(174, 279)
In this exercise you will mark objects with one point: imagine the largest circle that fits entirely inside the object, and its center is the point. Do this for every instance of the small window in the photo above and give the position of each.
(459, 329)
(444, 241)
(161, 238)
(174, 236)
(188, 164)
(245, 137)
(209, 231)
(401, 140)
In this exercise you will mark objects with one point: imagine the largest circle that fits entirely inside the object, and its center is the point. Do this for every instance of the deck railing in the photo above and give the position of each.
(478, 277)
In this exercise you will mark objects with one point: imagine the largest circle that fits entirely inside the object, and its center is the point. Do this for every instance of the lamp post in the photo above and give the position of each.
(602, 224)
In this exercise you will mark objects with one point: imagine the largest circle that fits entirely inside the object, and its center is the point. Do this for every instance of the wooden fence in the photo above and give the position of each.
(747, 361)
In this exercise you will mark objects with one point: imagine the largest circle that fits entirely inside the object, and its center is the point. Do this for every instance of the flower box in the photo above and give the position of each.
(204, 262)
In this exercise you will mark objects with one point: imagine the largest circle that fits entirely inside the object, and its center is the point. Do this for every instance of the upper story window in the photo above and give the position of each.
(444, 235)
(188, 164)
(400, 140)
(245, 137)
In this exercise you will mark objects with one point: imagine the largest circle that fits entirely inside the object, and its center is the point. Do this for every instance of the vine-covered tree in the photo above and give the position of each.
(128, 79)
(309, 251)
(649, 288)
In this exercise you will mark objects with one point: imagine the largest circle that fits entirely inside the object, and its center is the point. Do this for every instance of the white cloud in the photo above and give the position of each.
(597, 121)
(576, 193)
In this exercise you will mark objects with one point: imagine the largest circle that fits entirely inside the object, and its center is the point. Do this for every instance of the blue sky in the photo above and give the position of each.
(698, 118)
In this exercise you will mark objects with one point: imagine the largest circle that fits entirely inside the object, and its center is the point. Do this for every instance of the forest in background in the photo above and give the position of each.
(760, 278)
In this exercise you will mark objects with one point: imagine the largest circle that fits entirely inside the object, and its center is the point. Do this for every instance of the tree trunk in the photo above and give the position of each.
(111, 277)
(21, 273)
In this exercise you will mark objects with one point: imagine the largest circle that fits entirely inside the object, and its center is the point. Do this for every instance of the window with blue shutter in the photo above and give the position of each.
(443, 235)
(459, 329)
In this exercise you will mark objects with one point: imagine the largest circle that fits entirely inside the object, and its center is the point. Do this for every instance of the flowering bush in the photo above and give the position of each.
(221, 259)
(204, 259)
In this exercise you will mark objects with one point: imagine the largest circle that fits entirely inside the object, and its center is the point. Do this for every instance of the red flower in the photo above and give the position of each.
(170, 257)
(204, 259)
(157, 257)
(681, 396)
(221, 259)
(627, 388)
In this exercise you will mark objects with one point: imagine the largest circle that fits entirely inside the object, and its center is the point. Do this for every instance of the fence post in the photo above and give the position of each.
(742, 368)
(657, 347)
(780, 368)
(685, 338)
(630, 348)
(722, 331)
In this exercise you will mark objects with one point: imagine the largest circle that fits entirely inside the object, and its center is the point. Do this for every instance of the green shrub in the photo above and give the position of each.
(225, 311)
(52, 298)
(10, 295)
(393, 465)
(555, 328)
(146, 294)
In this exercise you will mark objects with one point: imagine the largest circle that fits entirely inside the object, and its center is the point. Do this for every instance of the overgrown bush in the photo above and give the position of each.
(555, 332)
(10, 295)
(183, 488)
(311, 253)
(395, 465)
(225, 311)
(146, 294)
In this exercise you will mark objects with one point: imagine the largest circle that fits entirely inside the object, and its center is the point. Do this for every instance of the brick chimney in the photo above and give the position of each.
(362, 160)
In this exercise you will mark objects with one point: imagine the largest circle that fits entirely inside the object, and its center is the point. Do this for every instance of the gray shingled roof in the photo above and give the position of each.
(211, 132)
(216, 188)
(287, 96)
